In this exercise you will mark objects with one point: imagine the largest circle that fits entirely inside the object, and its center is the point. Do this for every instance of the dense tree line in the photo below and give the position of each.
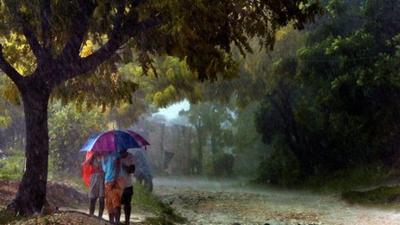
(334, 104)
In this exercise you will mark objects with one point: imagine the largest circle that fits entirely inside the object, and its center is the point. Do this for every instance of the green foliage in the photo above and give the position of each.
(144, 199)
(334, 105)
(170, 81)
(196, 26)
(201, 33)
(7, 217)
(7, 95)
(247, 144)
(279, 168)
(212, 122)
(69, 129)
(12, 167)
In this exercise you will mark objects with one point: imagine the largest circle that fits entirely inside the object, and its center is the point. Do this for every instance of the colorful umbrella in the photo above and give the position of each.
(143, 142)
(114, 140)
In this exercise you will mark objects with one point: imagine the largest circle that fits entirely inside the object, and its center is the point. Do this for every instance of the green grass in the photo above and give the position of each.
(382, 196)
(74, 181)
(8, 217)
(12, 167)
(146, 200)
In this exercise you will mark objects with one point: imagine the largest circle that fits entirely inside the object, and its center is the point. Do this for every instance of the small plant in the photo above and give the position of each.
(6, 216)
(11, 168)
(142, 198)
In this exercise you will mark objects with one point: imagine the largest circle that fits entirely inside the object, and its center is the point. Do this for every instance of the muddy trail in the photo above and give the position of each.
(231, 202)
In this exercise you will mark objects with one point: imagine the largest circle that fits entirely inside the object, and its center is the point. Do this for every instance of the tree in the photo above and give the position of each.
(333, 104)
(211, 122)
(51, 34)
(68, 128)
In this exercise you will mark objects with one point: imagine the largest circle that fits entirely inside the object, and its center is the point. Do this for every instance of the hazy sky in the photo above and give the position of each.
(172, 111)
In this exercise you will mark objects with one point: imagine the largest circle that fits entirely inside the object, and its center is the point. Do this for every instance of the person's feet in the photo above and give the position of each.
(120, 223)
(111, 216)
(117, 215)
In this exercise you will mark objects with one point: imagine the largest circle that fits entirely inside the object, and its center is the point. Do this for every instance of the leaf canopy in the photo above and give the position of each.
(94, 37)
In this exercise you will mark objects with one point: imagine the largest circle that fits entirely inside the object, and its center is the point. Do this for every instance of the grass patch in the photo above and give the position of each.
(8, 217)
(146, 200)
(74, 181)
(11, 168)
(384, 196)
(347, 180)
(158, 221)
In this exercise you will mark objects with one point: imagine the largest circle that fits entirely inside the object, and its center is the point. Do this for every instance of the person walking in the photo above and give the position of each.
(96, 182)
(114, 185)
(128, 168)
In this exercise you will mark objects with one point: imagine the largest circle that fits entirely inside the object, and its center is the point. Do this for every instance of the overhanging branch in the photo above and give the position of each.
(117, 39)
(125, 25)
(9, 70)
(70, 53)
(28, 33)
(45, 23)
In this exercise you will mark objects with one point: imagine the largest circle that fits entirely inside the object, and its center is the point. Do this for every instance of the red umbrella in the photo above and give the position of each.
(87, 169)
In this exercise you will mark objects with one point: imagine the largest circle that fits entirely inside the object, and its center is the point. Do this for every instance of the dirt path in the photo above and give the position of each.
(69, 200)
(230, 202)
(135, 218)
(205, 202)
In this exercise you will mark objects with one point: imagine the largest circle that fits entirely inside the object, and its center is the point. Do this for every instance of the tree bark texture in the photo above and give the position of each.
(31, 194)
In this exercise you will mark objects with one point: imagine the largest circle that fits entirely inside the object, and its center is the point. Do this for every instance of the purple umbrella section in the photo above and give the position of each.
(143, 142)
(114, 140)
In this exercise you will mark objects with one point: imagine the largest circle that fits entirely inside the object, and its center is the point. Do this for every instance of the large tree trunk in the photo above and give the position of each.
(31, 194)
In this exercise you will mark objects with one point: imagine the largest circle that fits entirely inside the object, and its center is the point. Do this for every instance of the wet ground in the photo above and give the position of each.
(211, 202)
(229, 202)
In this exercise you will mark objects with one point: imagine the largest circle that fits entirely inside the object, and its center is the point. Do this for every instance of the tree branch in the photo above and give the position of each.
(33, 42)
(9, 70)
(124, 27)
(45, 23)
(28, 33)
(117, 39)
(70, 53)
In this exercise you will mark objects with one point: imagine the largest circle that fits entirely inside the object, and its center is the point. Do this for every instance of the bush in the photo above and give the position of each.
(142, 198)
(223, 164)
(12, 167)
(68, 130)
(281, 168)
